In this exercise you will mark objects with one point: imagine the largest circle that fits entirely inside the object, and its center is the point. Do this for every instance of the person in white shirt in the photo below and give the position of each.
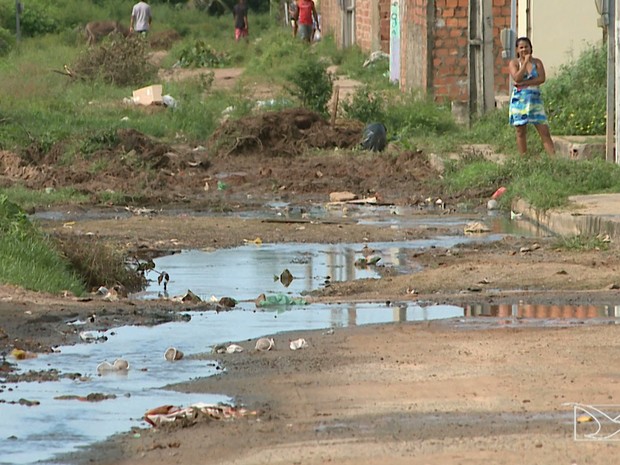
(140, 18)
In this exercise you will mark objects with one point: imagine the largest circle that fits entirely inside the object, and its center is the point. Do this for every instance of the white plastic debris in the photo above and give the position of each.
(119, 365)
(234, 348)
(264, 344)
(298, 344)
(169, 101)
(172, 354)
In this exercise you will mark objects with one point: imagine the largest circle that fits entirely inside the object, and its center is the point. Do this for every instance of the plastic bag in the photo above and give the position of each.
(375, 137)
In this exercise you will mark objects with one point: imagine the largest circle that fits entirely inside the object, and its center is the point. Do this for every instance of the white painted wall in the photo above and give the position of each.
(559, 29)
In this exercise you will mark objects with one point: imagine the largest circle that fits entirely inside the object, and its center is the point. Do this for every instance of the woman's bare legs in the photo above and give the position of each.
(545, 136)
(521, 139)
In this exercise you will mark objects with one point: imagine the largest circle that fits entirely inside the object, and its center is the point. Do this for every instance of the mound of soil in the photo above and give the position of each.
(251, 156)
(288, 132)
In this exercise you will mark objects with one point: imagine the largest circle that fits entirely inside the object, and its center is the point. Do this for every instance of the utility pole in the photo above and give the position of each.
(18, 11)
(614, 35)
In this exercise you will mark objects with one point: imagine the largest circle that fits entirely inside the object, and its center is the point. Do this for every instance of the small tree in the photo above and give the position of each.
(311, 83)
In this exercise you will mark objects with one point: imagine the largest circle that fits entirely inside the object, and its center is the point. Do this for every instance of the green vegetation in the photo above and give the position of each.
(44, 111)
(545, 182)
(28, 259)
(581, 243)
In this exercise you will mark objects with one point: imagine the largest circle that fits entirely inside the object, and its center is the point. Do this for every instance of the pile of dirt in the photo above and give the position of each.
(288, 132)
(250, 156)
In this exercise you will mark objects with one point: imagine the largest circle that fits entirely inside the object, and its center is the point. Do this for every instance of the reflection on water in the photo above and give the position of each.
(248, 271)
(30, 434)
(543, 311)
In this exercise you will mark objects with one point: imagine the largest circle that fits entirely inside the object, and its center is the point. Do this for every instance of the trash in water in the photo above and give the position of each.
(189, 297)
(172, 354)
(169, 413)
(298, 344)
(230, 349)
(364, 262)
(119, 364)
(227, 302)
(476, 228)
(286, 278)
(264, 344)
(277, 300)
(20, 354)
(93, 336)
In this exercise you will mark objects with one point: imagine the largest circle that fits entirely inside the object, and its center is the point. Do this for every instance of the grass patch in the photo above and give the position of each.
(543, 181)
(29, 259)
(581, 243)
(29, 199)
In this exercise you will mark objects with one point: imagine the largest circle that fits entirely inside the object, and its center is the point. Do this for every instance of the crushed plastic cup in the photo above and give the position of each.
(298, 344)
(172, 354)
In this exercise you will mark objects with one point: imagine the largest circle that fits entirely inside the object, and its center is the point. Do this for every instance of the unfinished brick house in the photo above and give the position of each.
(449, 49)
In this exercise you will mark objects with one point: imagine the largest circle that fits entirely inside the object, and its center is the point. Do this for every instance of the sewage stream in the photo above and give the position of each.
(36, 433)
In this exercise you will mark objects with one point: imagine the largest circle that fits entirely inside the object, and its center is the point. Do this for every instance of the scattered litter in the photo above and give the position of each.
(93, 336)
(476, 228)
(20, 354)
(169, 413)
(374, 137)
(148, 95)
(498, 193)
(342, 196)
(172, 354)
(227, 302)
(189, 296)
(119, 365)
(264, 344)
(329, 332)
(364, 262)
(234, 348)
(298, 344)
(375, 56)
(286, 278)
(515, 216)
(278, 299)
(257, 241)
(492, 204)
(169, 101)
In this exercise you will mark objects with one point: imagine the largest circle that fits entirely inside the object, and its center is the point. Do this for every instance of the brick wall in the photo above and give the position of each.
(363, 24)
(434, 44)
(445, 56)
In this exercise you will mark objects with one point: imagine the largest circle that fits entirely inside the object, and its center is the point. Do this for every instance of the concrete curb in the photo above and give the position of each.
(587, 215)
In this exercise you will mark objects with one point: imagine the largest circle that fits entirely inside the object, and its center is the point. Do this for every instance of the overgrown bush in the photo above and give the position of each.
(311, 84)
(201, 55)
(365, 105)
(117, 61)
(575, 99)
(28, 259)
(99, 264)
(7, 41)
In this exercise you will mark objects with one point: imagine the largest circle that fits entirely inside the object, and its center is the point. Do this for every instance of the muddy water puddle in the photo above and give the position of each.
(35, 433)
(57, 425)
(244, 273)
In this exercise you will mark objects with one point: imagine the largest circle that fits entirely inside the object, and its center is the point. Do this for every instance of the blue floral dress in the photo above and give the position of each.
(526, 104)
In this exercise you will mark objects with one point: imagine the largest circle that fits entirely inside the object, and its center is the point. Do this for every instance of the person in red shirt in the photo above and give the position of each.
(307, 17)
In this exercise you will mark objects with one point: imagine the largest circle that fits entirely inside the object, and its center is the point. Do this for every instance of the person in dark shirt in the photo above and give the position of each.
(240, 12)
